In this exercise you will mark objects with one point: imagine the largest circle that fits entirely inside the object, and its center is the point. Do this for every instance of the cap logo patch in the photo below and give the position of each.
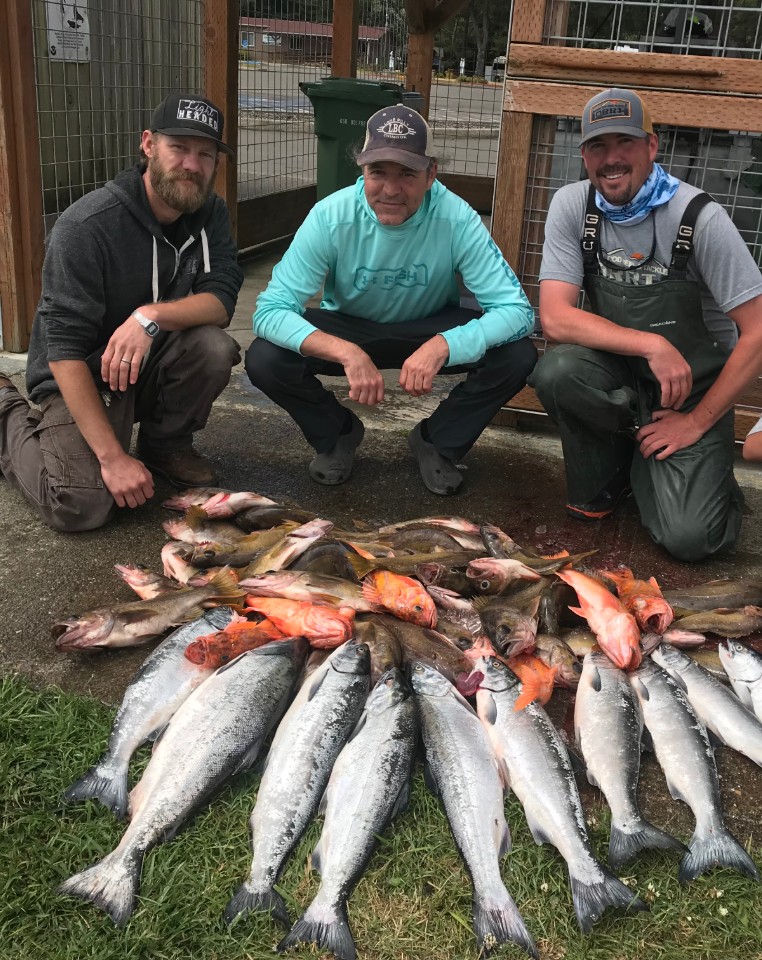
(611, 110)
(199, 112)
(396, 129)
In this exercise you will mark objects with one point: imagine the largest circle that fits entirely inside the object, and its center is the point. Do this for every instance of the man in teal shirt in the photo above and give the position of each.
(386, 252)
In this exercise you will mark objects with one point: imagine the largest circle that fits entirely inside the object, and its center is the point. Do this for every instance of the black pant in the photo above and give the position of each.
(290, 380)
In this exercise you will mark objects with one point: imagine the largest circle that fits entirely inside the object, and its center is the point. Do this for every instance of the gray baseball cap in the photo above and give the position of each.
(615, 111)
(399, 134)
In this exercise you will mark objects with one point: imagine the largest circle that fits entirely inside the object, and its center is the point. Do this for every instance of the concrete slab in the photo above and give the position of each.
(514, 478)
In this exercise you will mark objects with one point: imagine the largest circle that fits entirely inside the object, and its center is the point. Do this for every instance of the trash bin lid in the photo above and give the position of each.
(380, 92)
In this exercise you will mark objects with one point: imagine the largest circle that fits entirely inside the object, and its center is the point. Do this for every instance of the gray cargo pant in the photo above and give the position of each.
(43, 454)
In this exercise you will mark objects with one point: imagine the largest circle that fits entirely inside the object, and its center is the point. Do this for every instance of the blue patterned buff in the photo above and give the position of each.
(659, 188)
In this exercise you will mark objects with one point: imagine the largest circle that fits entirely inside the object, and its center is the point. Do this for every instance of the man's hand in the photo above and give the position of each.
(672, 371)
(420, 368)
(366, 385)
(120, 364)
(668, 432)
(127, 480)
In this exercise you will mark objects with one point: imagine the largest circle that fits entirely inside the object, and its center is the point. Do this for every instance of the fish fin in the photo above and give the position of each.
(371, 594)
(331, 933)
(402, 801)
(593, 781)
(715, 740)
(316, 684)
(530, 691)
(675, 792)
(323, 804)
(640, 688)
(358, 726)
(111, 885)
(316, 858)
(482, 601)
(504, 841)
(430, 780)
(266, 901)
(646, 741)
(595, 680)
(624, 846)
(497, 920)
(489, 711)
(224, 584)
(719, 849)
(195, 517)
(106, 782)
(248, 759)
(361, 565)
(591, 899)
(538, 832)
(680, 682)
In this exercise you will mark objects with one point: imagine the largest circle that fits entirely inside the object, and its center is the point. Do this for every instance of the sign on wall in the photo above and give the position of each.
(68, 30)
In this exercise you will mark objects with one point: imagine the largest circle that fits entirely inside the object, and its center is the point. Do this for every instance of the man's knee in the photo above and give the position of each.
(520, 356)
(688, 539)
(557, 366)
(75, 513)
(219, 350)
(268, 364)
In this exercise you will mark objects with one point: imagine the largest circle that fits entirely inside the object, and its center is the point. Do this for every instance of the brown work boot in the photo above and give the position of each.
(183, 468)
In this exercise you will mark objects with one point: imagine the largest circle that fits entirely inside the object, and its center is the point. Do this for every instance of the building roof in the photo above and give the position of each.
(303, 28)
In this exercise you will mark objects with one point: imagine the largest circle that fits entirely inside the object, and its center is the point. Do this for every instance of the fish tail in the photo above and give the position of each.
(330, 933)
(111, 885)
(718, 849)
(591, 899)
(105, 782)
(626, 845)
(246, 900)
(498, 921)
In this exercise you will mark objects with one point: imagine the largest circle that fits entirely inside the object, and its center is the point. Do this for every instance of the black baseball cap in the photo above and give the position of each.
(190, 115)
(400, 134)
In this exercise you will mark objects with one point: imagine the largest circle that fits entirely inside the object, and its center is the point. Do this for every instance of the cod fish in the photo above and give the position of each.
(717, 707)
(608, 727)
(537, 767)
(715, 594)
(744, 669)
(308, 587)
(164, 681)
(130, 624)
(555, 653)
(727, 623)
(685, 755)
(215, 733)
(461, 770)
(369, 786)
(304, 749)
(144, 582)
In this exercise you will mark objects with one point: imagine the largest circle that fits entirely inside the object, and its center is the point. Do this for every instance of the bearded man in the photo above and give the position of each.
(140, 278)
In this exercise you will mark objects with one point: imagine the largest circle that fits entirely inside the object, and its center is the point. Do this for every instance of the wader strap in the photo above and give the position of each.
(683, 245)
(591, 234)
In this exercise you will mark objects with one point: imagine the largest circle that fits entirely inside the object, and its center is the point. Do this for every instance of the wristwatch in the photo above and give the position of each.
(151, 327)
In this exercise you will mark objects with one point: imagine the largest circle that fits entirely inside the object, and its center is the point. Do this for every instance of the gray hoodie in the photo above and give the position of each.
(106, 256)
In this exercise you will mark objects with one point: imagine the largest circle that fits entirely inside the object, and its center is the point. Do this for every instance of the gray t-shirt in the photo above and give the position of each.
(721, 262)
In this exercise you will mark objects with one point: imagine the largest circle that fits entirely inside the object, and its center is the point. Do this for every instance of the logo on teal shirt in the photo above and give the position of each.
(389, 277)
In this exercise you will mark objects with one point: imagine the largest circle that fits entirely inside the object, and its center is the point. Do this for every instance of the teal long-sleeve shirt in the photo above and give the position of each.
(390, 274)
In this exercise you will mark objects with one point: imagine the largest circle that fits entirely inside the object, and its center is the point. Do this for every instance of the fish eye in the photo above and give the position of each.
(484, 584)
(418, 608)
(463, 643)
(208, 553)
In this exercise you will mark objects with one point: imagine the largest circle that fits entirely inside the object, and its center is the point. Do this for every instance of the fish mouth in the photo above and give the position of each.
(77, 634)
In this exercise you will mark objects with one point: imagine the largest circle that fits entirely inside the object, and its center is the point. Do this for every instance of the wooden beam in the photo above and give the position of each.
(511, 178)
(720, 74)
(528, 20)
(477, 191)
(346, 20)
(21, 223)
(676, 109)
(420, 56)
(221, 86)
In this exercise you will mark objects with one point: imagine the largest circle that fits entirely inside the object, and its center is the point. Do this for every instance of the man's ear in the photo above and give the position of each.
(148, 142)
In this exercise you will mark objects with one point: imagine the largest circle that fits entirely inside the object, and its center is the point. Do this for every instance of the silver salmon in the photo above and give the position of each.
(743, 667)
(539, 771)
(461, 770)
(298, 766)
(686, 757)
(608, 727)
(368, 787)
(215, 734)
(164, 681)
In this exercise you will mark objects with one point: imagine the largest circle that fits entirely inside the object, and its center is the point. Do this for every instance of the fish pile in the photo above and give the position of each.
(351, 646)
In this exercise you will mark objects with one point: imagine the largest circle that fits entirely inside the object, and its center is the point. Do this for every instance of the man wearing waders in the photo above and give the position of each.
(645, 375)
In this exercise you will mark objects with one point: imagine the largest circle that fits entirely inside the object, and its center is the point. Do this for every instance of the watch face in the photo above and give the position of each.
(152, 328)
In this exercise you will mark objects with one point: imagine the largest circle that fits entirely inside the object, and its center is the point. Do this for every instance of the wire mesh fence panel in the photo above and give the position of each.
(101, 68)
(726, 28)
(281, 44)
(727, 165)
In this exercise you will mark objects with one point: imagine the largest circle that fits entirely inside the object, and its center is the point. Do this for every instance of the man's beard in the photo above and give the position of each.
(169, 189)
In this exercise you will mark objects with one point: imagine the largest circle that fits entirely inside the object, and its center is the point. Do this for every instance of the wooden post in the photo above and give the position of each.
(22, 237)
(221, 18)
(420, 56)
(346, 20)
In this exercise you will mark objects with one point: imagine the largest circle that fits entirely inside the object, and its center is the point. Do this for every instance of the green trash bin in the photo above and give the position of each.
(342, 107)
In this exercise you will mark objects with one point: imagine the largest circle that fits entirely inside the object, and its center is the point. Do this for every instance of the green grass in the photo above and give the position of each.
(413, 903)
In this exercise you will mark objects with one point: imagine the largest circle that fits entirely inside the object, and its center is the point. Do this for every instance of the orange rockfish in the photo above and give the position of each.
(615, 629)
(643, 599)
(322, 626)
(537, 679)
(405, 597)
(214, 649)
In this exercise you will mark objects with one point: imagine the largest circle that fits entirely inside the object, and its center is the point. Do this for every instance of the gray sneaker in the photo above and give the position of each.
(335, 466)
(438, 473)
